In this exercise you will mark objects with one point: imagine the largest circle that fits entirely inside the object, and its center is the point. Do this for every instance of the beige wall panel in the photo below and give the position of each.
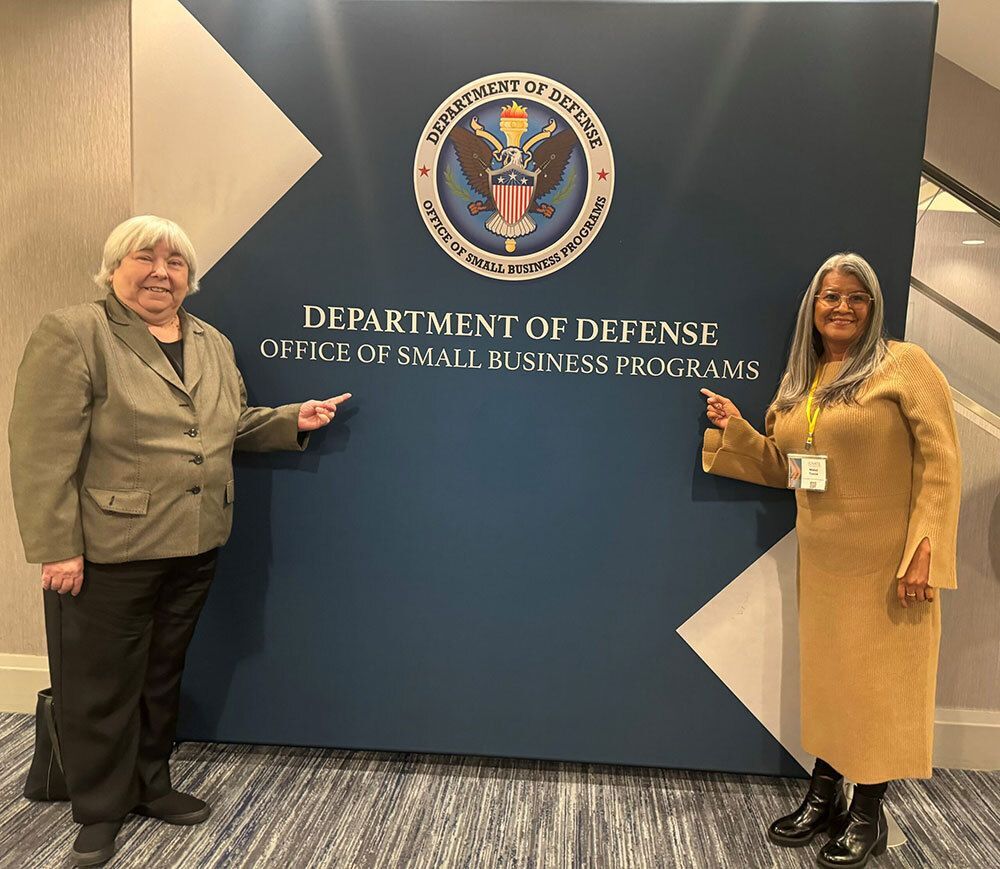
(241, 154)
(969, 673)
(66, 181)
(968, 357)
(968, 34)
(963, 128)
(967, 275)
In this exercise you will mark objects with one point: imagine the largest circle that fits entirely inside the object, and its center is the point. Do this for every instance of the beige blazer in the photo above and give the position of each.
(112, 456)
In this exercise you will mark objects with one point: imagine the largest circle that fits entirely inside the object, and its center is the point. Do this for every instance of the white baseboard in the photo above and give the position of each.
(21, 678)
(967, 739)
(963, 738)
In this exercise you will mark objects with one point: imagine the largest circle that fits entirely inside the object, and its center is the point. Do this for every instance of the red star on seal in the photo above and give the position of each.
(423, 171)
(603, 175)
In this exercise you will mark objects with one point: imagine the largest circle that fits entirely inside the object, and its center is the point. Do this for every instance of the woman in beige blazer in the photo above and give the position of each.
(126, 414)
(877, 496)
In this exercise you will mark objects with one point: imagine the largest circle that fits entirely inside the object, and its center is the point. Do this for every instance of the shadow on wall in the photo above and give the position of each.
(772, 522)
(235, 609)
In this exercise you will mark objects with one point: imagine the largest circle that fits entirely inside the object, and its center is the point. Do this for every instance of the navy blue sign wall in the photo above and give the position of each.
(494, 560)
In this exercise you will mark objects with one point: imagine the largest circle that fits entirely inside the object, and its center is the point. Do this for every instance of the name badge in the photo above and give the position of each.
(806, 471)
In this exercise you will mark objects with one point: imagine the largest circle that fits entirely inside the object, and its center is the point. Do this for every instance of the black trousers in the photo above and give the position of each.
(116, 655)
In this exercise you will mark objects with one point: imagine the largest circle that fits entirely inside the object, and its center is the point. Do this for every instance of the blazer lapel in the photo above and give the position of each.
(194, 336)
(128, 326)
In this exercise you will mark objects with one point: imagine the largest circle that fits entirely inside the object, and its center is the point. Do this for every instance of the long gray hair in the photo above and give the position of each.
(864, 357)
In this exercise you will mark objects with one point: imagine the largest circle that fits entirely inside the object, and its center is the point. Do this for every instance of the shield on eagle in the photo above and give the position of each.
(513, 189)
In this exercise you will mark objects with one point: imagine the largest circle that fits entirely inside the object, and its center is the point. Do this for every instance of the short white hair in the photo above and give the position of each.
(142, 233)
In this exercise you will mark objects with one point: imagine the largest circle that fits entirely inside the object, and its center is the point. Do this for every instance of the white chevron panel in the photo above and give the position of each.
(748, 635)
(209, 148)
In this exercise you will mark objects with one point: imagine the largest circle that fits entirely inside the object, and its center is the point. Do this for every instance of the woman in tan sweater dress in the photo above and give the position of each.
(874, 545)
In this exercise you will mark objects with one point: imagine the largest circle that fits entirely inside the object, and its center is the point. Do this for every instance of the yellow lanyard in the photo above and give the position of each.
(812, 415)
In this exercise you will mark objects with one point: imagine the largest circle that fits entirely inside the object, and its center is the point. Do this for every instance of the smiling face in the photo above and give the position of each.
(842, 323)
(152, 282)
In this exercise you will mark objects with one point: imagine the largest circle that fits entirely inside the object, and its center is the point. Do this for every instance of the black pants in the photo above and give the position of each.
(116, 655)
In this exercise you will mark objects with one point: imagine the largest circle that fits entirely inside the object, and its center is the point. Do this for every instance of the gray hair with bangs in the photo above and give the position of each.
(863, 358)
(141, 233)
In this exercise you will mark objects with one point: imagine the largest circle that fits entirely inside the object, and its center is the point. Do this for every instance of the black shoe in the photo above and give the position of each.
(95, 843)
(865, 835)
(825, 805)
(175, 808)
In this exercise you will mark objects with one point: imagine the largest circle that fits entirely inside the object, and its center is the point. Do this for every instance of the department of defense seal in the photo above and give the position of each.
(514, 175)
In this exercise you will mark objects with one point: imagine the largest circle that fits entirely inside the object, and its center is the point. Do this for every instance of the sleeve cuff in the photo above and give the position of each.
(943, 572)
(741, 453)
(298, 440)
(738, 437)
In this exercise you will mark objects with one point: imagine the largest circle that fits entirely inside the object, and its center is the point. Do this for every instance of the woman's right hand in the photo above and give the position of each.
(63, 576)
(720, 409)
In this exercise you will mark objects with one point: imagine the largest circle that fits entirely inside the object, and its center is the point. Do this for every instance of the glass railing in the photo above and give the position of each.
(954, 309)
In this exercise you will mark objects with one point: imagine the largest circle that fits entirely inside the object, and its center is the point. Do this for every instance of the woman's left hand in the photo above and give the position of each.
(316, 414)
(914, 586)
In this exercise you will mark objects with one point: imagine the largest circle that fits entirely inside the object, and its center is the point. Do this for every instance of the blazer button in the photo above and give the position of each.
(195, 490)
(192, 432)
(198, 459)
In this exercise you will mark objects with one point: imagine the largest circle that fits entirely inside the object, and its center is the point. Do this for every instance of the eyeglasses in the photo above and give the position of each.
(854, 300)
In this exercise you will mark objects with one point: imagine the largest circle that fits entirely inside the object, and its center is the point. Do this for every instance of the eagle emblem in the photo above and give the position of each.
(512, 179)
(513, 175)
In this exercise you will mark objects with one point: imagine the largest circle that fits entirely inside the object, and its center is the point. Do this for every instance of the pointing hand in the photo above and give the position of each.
(720, 409)
(316, 414)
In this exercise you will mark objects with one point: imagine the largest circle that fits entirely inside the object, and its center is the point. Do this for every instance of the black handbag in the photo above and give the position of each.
(45, 778)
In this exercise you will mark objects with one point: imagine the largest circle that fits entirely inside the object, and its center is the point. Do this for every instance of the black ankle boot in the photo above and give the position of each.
(824, 805)
(95, 843)
(866, 834)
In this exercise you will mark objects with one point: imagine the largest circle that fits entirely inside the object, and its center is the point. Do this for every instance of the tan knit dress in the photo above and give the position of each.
(869, 666)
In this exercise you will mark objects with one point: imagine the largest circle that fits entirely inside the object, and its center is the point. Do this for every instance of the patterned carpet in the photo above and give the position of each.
(298, 807)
